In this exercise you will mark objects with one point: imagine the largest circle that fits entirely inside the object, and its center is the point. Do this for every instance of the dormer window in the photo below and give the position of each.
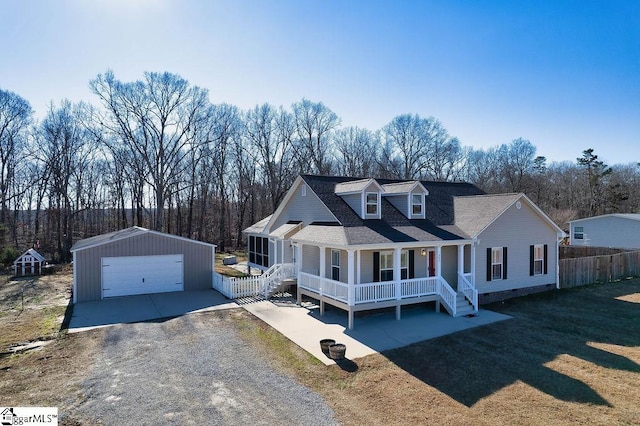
(372, 203)
(416, 204)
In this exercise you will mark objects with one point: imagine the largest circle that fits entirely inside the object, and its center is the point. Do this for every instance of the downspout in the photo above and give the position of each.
(75, 280)
(558, 239)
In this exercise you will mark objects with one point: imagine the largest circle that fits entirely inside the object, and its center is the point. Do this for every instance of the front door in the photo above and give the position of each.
(431, 263)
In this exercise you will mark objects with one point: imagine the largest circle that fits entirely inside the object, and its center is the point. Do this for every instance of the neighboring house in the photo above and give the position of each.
(362, 244)
(139, 261)
(610, 230)
(29, 263)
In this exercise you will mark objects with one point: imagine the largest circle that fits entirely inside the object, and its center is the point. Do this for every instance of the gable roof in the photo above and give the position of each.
(393, 227)
(473, 214)
(629, 216)
(402, 187)
(30, 252)
(122, 234)
(258, 227)
(354, 186)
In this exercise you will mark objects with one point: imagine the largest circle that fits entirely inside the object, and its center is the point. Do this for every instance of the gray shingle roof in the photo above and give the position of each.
(351, 186)
(475, 213)
(394, 226)
(399, 188)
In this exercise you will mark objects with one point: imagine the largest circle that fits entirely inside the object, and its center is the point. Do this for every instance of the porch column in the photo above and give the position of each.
(321, 273)
(351, 277)
(473, 264)
(297, 259)
(358, 263)
(460, 260)
(438, 261)
(397, 276)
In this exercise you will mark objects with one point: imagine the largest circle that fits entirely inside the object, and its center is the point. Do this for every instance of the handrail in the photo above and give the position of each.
(467, 289)
(448, 295)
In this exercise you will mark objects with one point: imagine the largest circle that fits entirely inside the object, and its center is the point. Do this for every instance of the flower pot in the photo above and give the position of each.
(337, 351)
(324, 345)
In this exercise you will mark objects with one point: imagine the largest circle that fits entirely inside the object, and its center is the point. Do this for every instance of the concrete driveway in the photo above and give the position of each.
(130, 309)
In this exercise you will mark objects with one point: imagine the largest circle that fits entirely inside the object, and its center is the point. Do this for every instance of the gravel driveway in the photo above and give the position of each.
(194, 369)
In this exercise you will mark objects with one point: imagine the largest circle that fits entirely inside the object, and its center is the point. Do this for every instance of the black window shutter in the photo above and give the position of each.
(545, 259)
(376, 266)
(411, 265)
(488, 263)
(532, 256)
(504, 263)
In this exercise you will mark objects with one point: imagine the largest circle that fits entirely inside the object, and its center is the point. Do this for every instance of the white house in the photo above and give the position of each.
(609, 230)
(362, 244)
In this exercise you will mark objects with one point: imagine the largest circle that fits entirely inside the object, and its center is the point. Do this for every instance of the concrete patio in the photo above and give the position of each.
(372, 333)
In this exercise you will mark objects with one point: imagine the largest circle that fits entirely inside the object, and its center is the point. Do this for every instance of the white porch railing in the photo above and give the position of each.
(380, 291)
(235, 287)
(467, 289)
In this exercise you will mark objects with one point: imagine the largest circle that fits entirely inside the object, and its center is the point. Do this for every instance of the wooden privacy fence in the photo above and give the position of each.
(586, 270)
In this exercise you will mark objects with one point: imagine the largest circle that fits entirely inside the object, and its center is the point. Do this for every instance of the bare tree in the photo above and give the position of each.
(314, 123)
(15, 117)
(516, 161)
(357, 150)
(270, 134)
(152, 118)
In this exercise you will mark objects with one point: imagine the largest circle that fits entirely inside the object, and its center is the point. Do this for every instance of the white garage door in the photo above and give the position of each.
(124, 276)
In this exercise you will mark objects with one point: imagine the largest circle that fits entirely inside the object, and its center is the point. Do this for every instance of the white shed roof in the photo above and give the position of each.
(30, 252)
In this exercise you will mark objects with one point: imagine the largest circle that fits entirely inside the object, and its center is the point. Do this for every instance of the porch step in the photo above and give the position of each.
(463, 307)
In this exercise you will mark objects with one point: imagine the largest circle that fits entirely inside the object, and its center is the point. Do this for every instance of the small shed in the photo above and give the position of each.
(139, 261)
(29, 263)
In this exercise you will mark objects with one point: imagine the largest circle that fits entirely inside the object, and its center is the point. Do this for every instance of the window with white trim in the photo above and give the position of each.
(335, 265)
(538, 259)
(578, 232)
(386, 266)
(371, 199)
(404, 265)
(416, 204)
(496, 263)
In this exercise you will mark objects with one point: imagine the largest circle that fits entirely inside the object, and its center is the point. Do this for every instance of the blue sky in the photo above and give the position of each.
(563, 74)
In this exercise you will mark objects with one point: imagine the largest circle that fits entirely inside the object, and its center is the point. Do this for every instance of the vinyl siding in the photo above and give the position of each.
(450, 265)
(608, 231)
(310, 258)
(198, 261)
(399, 202)
(516, 230)
(307, 209)
(354, 201)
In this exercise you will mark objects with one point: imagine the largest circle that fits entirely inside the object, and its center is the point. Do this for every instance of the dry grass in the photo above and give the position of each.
(226, 270)
(32, 309)
(569, 357)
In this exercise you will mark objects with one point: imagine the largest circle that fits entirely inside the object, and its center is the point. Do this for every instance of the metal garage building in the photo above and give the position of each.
(139, 261)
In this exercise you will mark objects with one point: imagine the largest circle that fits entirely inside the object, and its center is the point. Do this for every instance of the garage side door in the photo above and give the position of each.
(125, 276)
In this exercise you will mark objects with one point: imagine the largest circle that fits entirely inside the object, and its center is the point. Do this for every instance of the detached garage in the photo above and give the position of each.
(139, 261)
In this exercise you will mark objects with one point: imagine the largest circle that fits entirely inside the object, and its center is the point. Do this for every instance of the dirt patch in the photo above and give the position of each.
(31, 312)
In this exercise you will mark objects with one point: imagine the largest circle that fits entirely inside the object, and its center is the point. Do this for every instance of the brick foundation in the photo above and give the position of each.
(498, 296)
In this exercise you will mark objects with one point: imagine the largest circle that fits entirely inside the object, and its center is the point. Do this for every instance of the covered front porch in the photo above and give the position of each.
(359, 279)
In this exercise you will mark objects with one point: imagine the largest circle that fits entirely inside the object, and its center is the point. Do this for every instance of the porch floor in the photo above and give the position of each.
(372, 333)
